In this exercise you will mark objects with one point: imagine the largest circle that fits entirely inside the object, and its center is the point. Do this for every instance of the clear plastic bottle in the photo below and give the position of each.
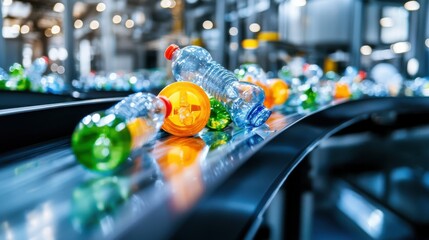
(243, 100)
(35, 72)
(103, 140)
(254, 73)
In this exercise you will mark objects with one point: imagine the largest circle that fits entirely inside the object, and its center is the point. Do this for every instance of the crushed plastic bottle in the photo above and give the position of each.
(243, 100)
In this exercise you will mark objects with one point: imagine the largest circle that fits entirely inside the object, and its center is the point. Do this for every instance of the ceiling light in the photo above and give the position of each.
(129, 23)
(55, 29)
(386, 22)
(100, 7)
(59, 7)
(78, 24)
(298, 3)
(233, 31)
(48, 32)
(165, 3)
(366, 50)
(254, 27)
(400, 47)
(94, 24)
(207, 24)
(412, 5)
(117, 19)
(25, 29)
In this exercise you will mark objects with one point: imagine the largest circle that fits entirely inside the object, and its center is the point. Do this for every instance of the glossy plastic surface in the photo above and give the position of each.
(103, 140)
(244, 101)
(190, 109)
(52, 196)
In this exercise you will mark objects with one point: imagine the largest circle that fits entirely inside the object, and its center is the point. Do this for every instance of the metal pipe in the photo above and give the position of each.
(356, 34)
(220, 26)
(2, 42)
(70, 67)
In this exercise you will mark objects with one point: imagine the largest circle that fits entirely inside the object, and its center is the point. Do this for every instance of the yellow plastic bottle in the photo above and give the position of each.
(190, 109)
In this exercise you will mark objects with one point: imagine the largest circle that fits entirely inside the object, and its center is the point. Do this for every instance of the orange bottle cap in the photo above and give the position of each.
(170, 50)
(190, 109)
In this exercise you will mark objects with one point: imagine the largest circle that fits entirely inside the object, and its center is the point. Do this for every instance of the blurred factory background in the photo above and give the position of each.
(81, 37)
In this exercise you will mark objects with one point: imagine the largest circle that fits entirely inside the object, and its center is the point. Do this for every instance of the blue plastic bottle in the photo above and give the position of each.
(244, 101)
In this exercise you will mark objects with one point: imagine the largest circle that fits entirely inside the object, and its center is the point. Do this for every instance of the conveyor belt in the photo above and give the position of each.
(173, 186)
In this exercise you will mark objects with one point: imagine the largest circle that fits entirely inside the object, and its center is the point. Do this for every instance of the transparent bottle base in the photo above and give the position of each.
(258, 116)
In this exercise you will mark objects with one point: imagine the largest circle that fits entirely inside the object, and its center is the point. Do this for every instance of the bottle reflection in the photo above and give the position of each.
(97, 199)
(276, 121)
(215, 139)
(179, 161)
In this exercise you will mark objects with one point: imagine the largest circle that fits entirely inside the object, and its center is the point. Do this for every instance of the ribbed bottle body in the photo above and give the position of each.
(241, 99)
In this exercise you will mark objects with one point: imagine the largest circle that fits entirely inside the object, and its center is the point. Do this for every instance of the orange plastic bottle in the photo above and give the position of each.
(279, 90)
(190, 109)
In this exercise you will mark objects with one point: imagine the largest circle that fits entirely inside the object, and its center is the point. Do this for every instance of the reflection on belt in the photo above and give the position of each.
(99, 197)
(179, 160)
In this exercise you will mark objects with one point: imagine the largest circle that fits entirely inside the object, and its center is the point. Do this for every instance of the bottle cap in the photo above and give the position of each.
(190, 109)
(46, 59)
(170, 50)
(168, 105)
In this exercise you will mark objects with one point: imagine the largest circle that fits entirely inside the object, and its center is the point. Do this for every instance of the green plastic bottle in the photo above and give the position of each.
(3, 79)
(310, 102)
(18, 78)
(103, 140)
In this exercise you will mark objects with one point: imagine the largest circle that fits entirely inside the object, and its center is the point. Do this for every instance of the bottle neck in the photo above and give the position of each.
(168, 105)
